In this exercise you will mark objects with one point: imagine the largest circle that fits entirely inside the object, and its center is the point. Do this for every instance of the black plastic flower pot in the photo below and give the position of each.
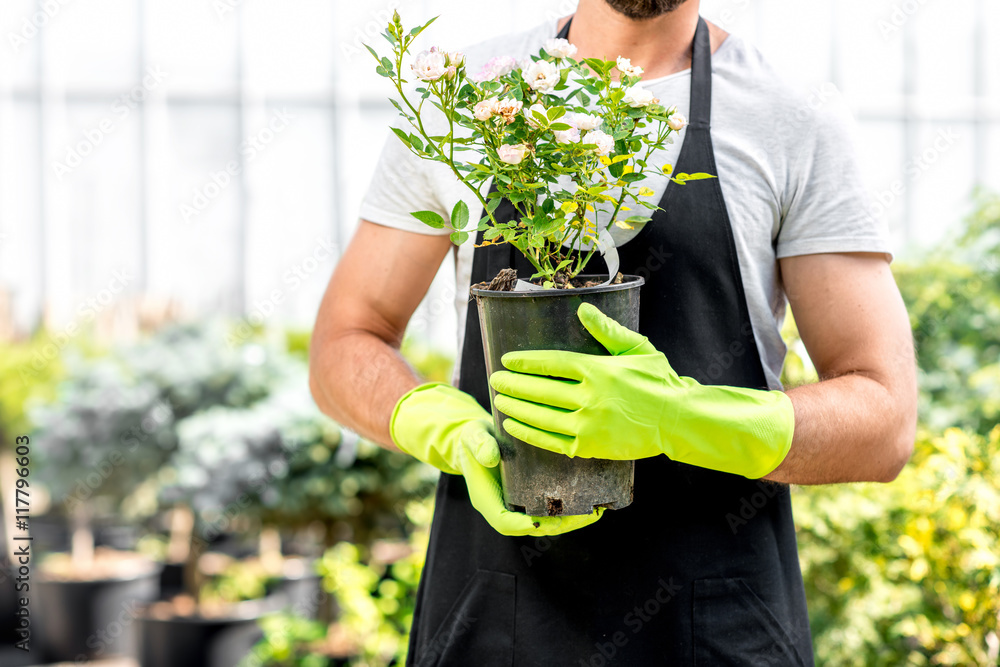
(536, 481)
(196, 641)
(88, 620)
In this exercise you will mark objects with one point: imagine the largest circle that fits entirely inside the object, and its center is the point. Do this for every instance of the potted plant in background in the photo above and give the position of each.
(278, 466)
(559, 140)
(90, 466)
(375, 590)
(209, 616)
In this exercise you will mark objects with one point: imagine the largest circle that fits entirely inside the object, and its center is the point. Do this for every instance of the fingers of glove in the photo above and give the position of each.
(478, 441)
(554, 363)
(616, 338)
(536, 437)
(538, 415)
(537, 388)
(486, 496)
(557, 525)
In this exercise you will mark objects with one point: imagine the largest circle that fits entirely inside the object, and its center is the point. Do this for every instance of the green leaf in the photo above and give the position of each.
(492, 204)
(386, 63)
(458, 238)
(562, 127)
(429, 218)
(632, 177)
(555, 112)
(372, 51)
(399, 107)
(460, 215)
(698, 176)
(635, 219)
(419, 29)
(402, 136)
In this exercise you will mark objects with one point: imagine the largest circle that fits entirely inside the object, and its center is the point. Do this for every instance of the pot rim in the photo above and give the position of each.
(628, 282)
(48, 579)
(244, 610)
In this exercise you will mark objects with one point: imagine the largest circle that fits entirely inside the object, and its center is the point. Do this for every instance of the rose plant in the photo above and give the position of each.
(561, 139)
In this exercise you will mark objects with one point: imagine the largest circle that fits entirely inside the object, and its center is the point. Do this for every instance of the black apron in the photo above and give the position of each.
(702, 568)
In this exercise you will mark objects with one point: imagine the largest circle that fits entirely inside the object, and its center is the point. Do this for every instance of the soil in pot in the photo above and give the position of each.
(536, 481)
(89, 613)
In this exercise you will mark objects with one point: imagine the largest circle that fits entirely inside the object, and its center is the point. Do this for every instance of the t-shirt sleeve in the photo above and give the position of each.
(401, 185)
(826, 208)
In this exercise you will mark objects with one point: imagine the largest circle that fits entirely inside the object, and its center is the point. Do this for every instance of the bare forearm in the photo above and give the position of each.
(357, 379)
(355, 370)
(847, 429)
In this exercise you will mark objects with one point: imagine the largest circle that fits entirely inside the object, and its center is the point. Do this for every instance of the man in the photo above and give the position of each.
(686, 574)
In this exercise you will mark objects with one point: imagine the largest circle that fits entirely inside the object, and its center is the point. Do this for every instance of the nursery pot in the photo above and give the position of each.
(536, 481)
(91, 619)
(196, 641)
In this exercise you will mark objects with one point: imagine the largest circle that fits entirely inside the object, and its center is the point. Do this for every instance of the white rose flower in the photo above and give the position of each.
(605, 142)
(583, 121)
(495, 68)
(541, 75)
(637, 96)
(677, 122)
(429, 65)
(509, 109)
(484, 110)
(570, 136)
(559, 48)
(456, 58)
(529, 115)
(626, 67)
(512, 153)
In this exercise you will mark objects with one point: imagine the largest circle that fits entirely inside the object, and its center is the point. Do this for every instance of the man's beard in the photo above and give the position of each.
(639, 10)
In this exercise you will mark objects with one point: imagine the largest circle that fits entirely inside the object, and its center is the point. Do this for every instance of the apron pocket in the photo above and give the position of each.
(479, 627)
(733, 626)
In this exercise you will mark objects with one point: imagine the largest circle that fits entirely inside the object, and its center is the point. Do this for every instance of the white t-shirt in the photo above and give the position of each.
(786, 164)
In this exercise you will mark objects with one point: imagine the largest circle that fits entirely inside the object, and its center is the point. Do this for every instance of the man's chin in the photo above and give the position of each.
(640, 10)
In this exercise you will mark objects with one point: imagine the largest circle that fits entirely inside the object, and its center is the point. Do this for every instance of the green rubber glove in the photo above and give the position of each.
(632, 405)
(445, 427)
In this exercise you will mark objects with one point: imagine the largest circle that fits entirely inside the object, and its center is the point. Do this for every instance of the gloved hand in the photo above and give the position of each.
(632, 405)
(440, 425)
